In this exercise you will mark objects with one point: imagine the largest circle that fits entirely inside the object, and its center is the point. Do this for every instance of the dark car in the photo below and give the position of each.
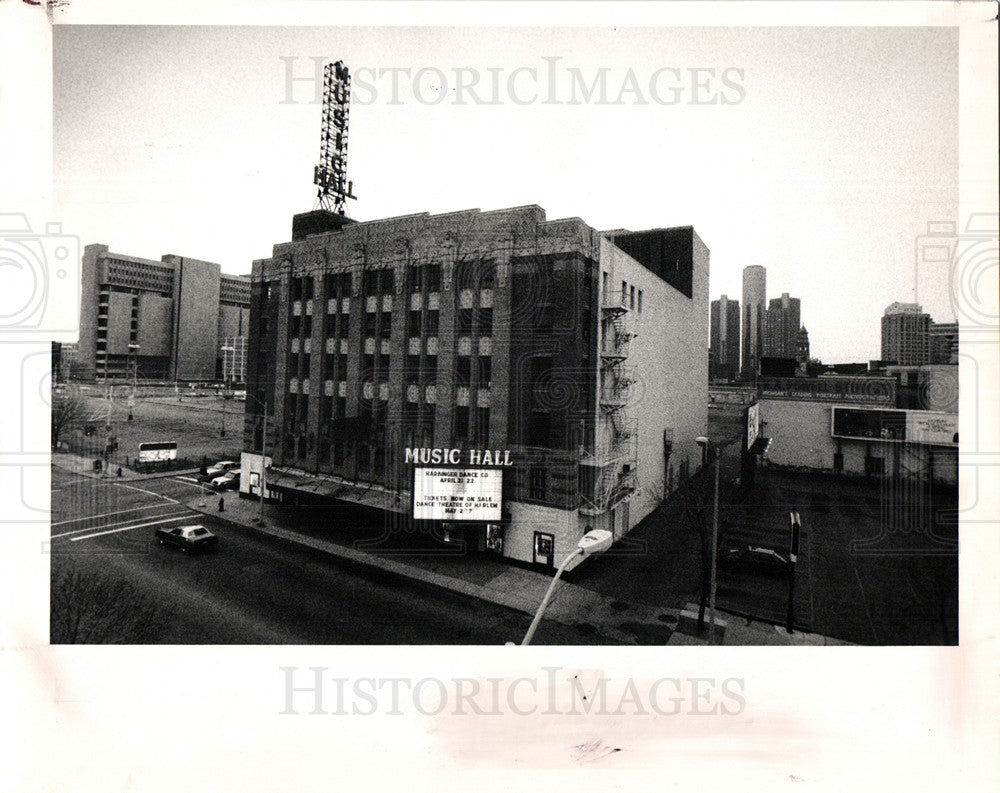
(753, 557)
(227, 481)
(194, 537)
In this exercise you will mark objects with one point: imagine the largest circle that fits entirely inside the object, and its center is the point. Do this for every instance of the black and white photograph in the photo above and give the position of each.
(578, 369)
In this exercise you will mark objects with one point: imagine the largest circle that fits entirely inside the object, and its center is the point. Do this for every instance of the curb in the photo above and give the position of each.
(383, 569)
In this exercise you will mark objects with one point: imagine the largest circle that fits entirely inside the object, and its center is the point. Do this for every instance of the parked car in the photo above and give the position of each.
(227, 481)
(193, 537)
(220, 468)
(757, 557)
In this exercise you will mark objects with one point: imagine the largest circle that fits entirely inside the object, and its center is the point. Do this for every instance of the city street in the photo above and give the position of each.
(113, 584)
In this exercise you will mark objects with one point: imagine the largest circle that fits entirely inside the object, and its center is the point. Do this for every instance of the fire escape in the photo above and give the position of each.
(614, 460)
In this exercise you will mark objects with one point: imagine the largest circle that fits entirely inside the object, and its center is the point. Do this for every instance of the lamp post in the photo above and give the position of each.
(596, 541)
(707, 447)
(225, 385)
(133, 349)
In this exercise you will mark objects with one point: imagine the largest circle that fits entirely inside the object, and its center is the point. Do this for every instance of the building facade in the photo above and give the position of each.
(905, 334)
(781, 327)
(159, 320)
(754, 296)
(724, 339)
(943, 342)
(392, 363)
(802, 345)
(857, 426)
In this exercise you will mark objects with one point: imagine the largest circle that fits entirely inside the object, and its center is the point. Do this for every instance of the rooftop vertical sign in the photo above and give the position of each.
(331, 173)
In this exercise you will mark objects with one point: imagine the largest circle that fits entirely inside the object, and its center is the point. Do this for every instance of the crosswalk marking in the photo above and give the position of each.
(129, 528)
(108, 514)
(138, 517)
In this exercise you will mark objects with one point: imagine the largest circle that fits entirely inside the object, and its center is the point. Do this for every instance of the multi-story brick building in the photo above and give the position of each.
(781, 327)
(905, 334)
(566, 363)
(161, 320)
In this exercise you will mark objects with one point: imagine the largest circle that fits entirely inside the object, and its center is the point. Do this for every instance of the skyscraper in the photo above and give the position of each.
(781, 327)
(724, 338)
(754, 295)
(905, 334)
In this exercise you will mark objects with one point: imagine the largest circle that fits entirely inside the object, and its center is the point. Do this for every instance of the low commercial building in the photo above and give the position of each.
(853, 425)
(493, 378)
(157, 320)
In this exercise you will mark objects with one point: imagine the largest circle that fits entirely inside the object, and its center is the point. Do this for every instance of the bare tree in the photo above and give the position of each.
(93, 608)
(69, 408)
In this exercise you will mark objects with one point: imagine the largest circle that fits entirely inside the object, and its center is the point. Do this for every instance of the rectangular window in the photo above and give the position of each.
(432, 323)
(388, 281)
(371, 282)
(875, 466)
(485, 371)
(485, 321)
(465, 320)
(604, 283)
(640, 302)
(416, 275)
(482, 427)
(434, 278)
(461, 422)
(537, 483)
(413, 326)
(624, 292)
(463, 370)
(631, 298)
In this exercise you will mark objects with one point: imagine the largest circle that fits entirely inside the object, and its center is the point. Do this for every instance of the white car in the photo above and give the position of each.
(220, 468)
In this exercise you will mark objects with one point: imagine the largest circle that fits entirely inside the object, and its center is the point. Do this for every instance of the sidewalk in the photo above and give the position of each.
(474, 576)
(484, 578)
(736, 631)
(513, 587)
(84, 466)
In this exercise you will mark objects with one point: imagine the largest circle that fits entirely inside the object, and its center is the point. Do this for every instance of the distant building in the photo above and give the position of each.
(802, 345)
(754, 296)
(781, 327)
(159, 320)
(905, 334)
(724, 339)
(943, 340)
(407, 362)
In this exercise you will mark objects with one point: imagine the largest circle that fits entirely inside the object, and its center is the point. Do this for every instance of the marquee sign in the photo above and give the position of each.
(457, 494)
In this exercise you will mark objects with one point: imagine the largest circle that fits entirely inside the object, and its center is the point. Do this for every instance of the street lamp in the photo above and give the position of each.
(225, 383)
(133, 349)
(707, 447)
(596, 541)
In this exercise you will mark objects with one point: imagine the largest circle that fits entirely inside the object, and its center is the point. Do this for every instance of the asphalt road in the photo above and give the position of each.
(112, 583)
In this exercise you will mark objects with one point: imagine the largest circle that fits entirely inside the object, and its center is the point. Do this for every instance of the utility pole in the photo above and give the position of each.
(263, 463)
(715, 550)
(793, 554)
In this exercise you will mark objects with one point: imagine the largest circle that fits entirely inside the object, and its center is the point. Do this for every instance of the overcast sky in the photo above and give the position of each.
(819, 153)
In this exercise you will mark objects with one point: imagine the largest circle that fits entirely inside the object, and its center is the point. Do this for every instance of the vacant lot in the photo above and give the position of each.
(195, 423)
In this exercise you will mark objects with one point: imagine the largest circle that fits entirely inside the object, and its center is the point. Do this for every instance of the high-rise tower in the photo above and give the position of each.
(754, 295)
